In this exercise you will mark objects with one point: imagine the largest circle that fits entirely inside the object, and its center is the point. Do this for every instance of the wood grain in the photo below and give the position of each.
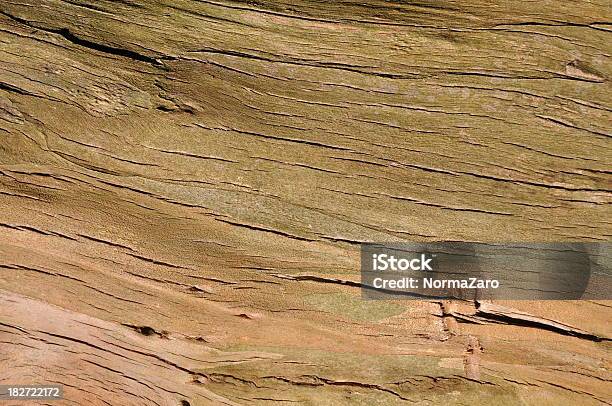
(184, 186)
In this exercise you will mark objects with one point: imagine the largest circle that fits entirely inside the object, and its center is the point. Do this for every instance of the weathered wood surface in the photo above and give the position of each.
(184, 184)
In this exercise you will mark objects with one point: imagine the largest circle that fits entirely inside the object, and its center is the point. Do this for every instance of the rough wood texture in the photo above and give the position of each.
(184, 185)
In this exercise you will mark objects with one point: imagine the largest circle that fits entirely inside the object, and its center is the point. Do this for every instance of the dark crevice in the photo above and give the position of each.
(112, 244)
(555, 327)
(268, 230)
(534, 324)
(147, 331)
(594, 25)
(107, 49)
(156, 262)
(304, 62)
(14, 89)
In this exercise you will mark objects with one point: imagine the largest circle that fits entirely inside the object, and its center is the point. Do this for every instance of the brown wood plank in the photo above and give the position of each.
(184, 186)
